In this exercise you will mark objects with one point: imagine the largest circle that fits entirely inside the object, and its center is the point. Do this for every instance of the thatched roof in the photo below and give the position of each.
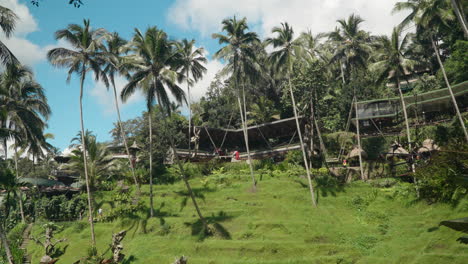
(428, 145)
(355, 153)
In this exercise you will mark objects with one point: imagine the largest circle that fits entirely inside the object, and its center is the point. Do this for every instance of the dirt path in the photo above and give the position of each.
(24, 245)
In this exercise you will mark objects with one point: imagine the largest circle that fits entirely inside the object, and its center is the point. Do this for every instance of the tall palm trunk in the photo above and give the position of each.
(246, 135)
(5, 148)
(190, 113)
(85, 161)
(460, 118)
(4, 241)
(405, 115)
(358, 136)
(184, 176)
(461, 17)
(311, 130)
(151, 162)
(299, 133)
(20, 195)
(246, 140)
(124, 137)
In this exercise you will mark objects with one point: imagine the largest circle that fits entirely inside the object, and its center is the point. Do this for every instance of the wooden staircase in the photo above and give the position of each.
(24, 245)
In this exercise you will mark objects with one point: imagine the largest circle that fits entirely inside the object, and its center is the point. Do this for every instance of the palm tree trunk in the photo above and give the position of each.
(184, 176)
(358, 137)
(124, 137)
(20, 196)
(246, 140)
(405, 115)
(461, 17)
(5, 245)
(85, 161)
(5, 148)
(190, 113)
(460, 118)
(246, 135)
(311, 131)
(299, 133)
(151, 162)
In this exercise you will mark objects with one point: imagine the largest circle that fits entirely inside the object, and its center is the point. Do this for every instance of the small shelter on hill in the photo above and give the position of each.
(428, 145)
(396, 150)
(354, 153)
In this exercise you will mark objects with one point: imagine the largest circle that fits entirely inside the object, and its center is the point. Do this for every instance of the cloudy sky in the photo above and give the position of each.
(197, 19)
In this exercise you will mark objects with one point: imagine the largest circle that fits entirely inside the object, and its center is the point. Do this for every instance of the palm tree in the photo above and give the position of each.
(239, 52)
(84, 56)
(114, 48)
(192, 64)
(459, 12)
(352, 52)
(155, 71)
(99, 159)
(286, 50)
(430, 16)
(310, 44)
(26, 109)
(391, 61)
(6, 180)
(7, 24)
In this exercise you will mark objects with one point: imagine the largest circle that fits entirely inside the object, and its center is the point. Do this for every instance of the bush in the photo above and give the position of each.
(383, 183)
(15, 238)
(58, 208)
(444, 179)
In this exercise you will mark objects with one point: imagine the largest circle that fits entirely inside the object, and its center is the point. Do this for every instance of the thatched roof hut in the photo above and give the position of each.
(397, 150)
(355, 153)
(428, 145)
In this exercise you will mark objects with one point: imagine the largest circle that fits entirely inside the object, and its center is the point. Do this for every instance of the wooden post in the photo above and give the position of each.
(358, 138)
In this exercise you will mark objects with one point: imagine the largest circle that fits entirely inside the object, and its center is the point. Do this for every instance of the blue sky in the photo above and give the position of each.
(180, 19)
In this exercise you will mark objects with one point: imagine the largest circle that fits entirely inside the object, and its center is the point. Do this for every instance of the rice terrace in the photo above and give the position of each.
(247, 132)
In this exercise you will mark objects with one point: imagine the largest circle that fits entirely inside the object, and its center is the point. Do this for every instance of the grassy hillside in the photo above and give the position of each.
(356, 223)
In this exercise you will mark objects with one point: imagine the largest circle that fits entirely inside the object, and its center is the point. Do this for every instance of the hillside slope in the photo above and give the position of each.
(356, 223)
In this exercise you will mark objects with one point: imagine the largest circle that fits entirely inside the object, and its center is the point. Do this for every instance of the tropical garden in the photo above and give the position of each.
(140, 209)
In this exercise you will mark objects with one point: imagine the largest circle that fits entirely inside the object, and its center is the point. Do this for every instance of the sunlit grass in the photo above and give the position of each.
(277, 224)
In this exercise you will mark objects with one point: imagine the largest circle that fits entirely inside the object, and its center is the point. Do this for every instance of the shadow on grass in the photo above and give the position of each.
(216, 228)
(199, 193)
(130, 259)
(59, 251)
(324, 186)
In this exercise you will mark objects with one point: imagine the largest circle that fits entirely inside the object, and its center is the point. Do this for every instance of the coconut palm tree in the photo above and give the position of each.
(459, 12)
(7, 24)
(286, 50)
(10, 184)
(26, 110)
(155, 72)
(239, 52)
(99, 159)
(429, 17)
(84, 56)
(391, 61)
(192, 64)
(351, 52)
(115, 46)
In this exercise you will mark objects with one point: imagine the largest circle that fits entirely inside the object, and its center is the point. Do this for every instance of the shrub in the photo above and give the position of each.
(444, 179)
(384, 183)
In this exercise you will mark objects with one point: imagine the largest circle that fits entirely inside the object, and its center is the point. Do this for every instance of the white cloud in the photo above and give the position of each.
(105, 97)
(27, 52)
(200, 88)
(317, 15)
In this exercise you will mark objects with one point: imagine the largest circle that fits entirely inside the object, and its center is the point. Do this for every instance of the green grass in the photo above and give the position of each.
(277, 224)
